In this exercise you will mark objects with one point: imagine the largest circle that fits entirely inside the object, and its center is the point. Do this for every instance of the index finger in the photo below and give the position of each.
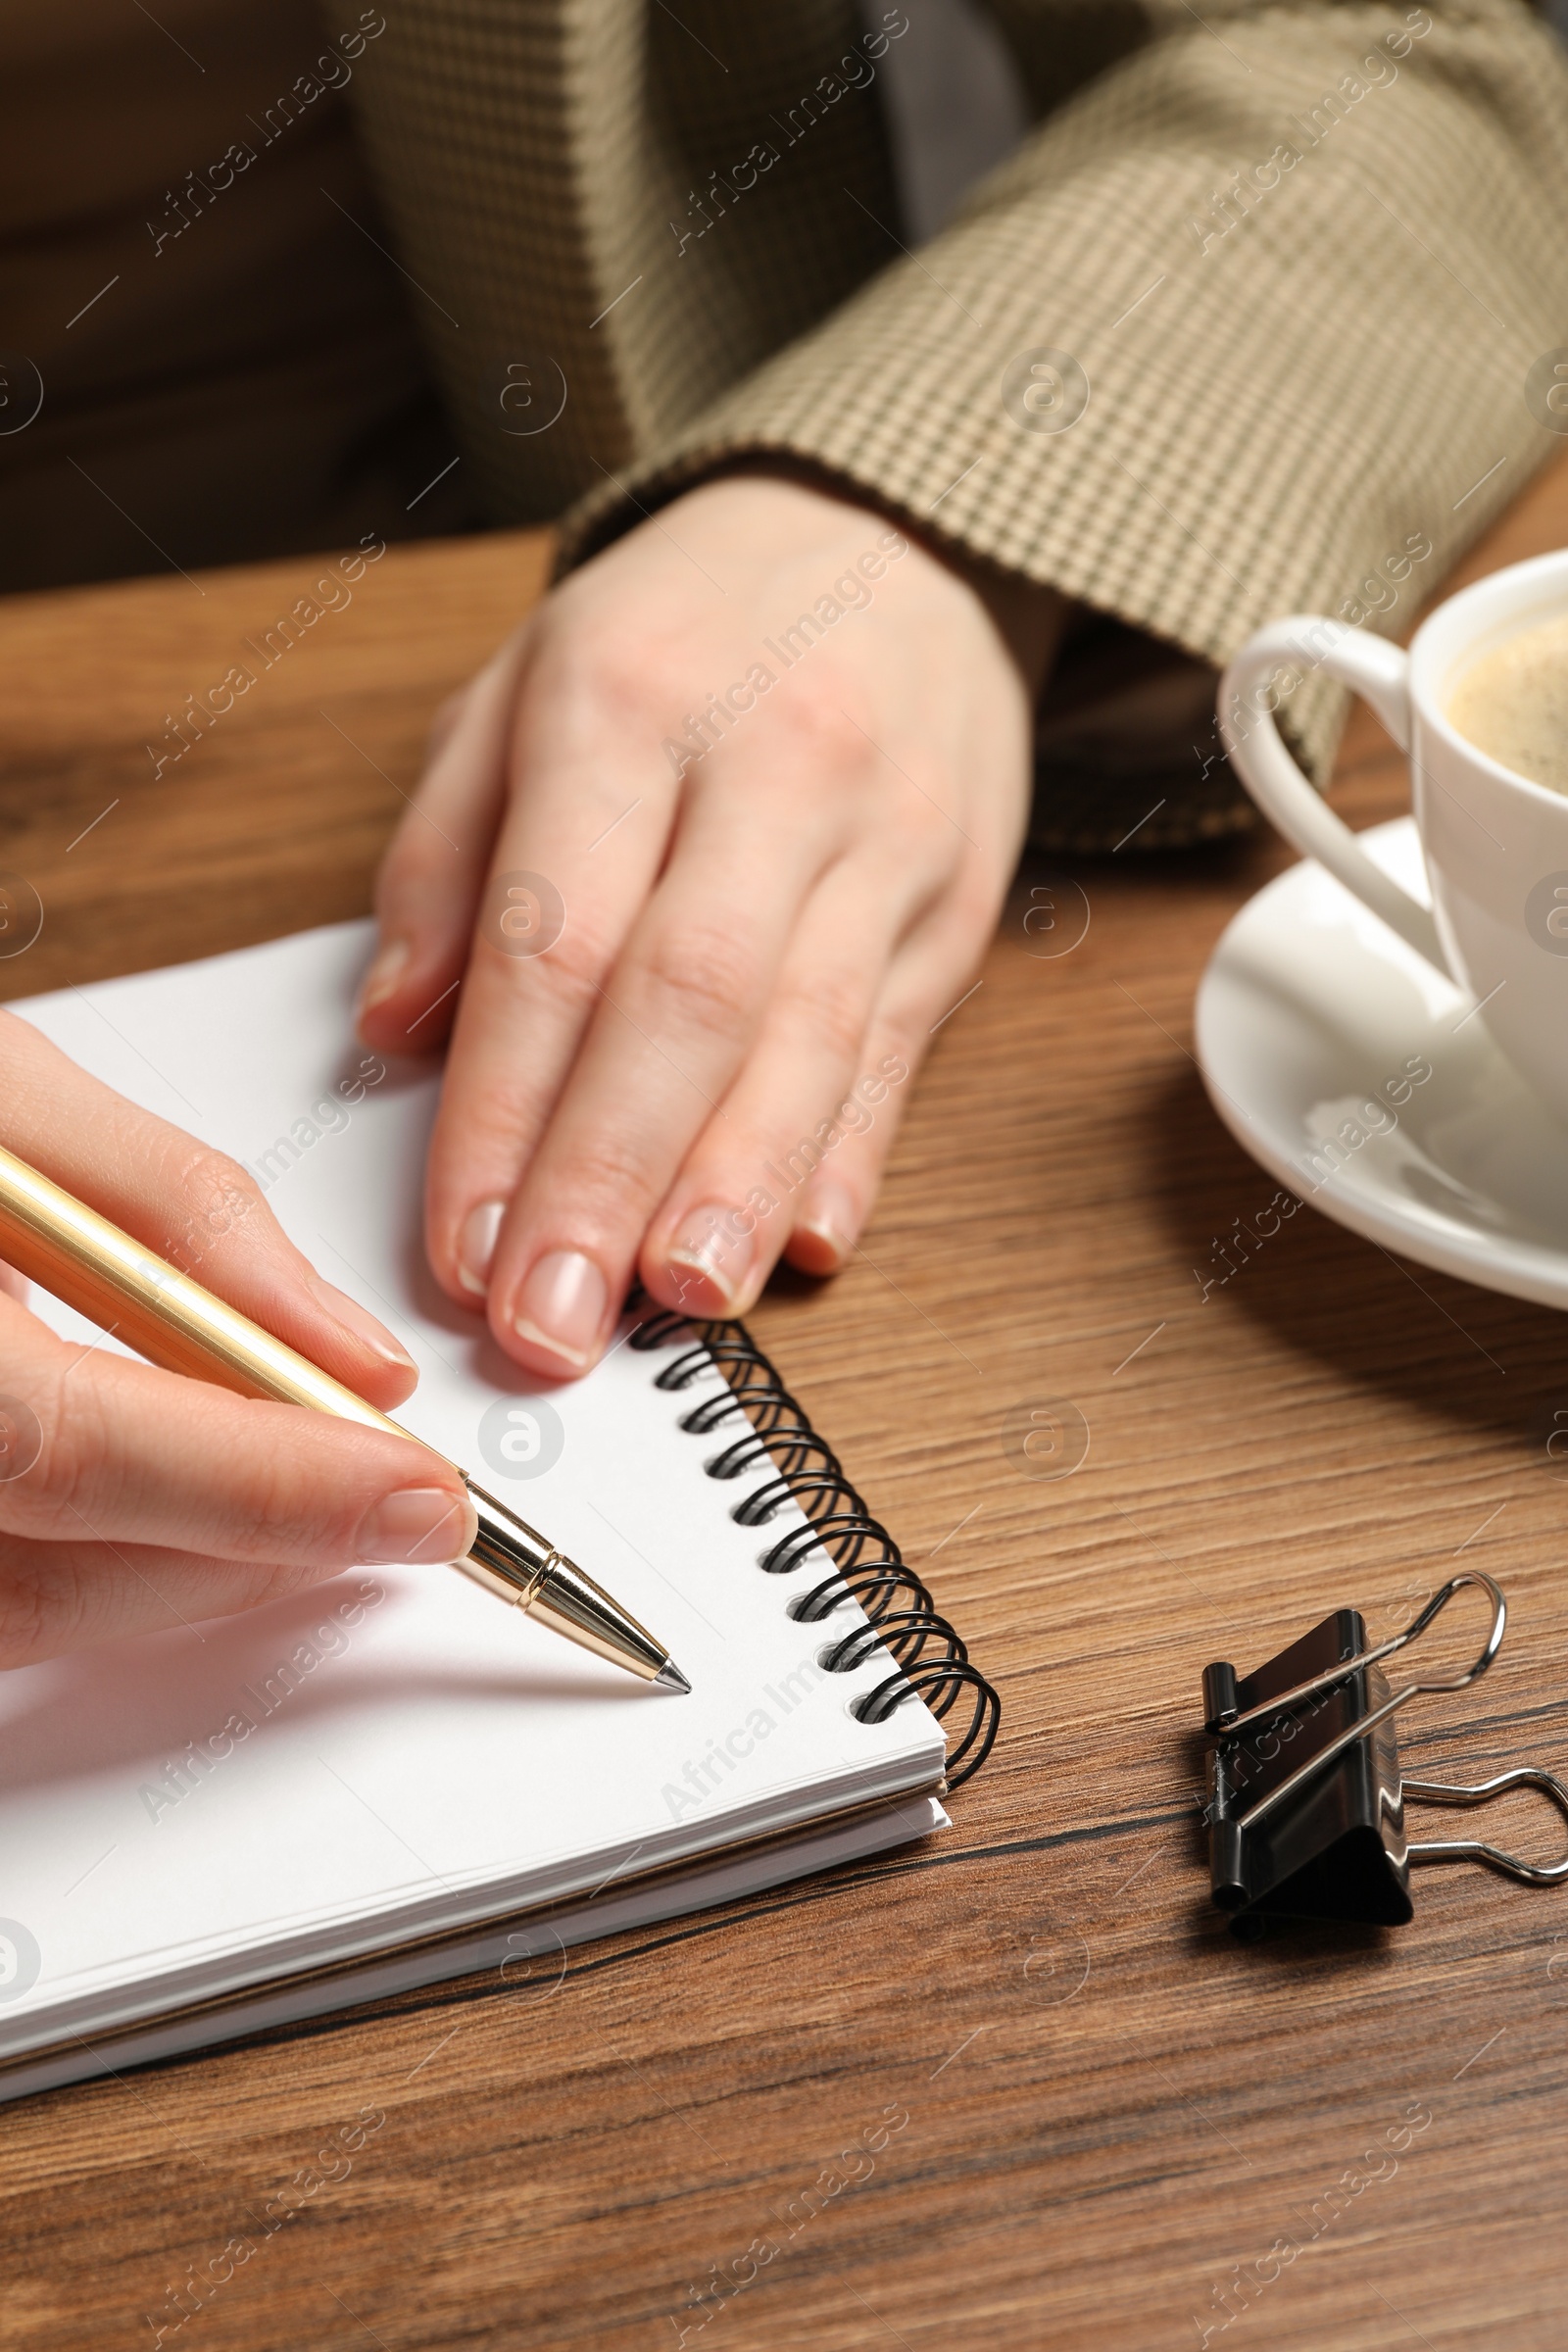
(190, 1203)
(579, 850)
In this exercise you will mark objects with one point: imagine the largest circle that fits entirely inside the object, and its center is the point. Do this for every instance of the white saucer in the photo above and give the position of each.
(1309, 1007)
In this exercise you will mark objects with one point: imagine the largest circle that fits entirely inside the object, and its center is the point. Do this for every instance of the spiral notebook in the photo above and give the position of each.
(391, 1778)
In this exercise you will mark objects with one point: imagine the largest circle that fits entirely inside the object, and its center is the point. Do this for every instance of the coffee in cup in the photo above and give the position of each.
(1511, 701)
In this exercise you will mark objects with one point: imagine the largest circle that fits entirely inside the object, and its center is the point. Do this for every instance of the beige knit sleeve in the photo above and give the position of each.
(1255, 324)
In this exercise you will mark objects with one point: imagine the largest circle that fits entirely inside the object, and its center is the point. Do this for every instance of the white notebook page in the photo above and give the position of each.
(394, 1751)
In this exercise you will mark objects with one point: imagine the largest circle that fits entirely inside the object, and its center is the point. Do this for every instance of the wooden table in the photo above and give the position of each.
(1114, 2112)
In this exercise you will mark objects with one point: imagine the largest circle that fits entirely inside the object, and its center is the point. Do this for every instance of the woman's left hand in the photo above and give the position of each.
(698, 865)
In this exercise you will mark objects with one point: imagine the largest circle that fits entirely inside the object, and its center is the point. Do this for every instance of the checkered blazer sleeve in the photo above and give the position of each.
(1257, 322)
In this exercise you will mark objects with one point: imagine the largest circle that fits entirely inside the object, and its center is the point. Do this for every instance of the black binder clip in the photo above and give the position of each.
(1306, 1797)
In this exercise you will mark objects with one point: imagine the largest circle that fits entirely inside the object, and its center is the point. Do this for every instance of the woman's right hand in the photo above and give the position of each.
(132, 1498)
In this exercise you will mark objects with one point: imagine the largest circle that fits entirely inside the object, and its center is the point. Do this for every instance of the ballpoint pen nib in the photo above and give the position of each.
(671, 1677)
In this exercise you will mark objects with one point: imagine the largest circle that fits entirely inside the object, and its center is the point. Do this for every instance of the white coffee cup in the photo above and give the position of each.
(1495, 844)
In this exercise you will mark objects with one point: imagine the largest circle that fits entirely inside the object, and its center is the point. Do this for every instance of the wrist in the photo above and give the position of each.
(1028, 618)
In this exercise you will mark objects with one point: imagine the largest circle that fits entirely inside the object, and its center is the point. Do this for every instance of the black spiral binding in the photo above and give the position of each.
(868, 1567)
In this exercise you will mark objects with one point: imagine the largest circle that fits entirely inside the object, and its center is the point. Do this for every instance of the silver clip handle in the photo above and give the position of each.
(1474, 1849)
(1373, 1657)
(1275, 1707)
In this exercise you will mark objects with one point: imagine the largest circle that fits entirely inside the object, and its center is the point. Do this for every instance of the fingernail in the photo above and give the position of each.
(476, 1244)
(381, 979)
(357, 1319)
(562, 1306)
(416, 1527)
(830, 1219)
(710, 1260)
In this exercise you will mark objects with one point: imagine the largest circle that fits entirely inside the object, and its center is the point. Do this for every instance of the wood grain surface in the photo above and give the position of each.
(1083, 2116)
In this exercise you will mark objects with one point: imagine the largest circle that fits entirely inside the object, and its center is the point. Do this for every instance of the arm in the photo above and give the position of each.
(767, 894)
(1304, 258)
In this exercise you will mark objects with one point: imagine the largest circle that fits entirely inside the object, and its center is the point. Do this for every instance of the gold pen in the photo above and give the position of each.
(81, 1258)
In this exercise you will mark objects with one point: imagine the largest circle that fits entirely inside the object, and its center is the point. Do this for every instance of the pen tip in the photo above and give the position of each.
(671, 1677)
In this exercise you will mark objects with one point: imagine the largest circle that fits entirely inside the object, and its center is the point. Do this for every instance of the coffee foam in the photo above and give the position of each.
(1513, 703)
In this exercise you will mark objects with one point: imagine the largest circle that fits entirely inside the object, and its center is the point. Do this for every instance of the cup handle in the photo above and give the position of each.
(1380, 672)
